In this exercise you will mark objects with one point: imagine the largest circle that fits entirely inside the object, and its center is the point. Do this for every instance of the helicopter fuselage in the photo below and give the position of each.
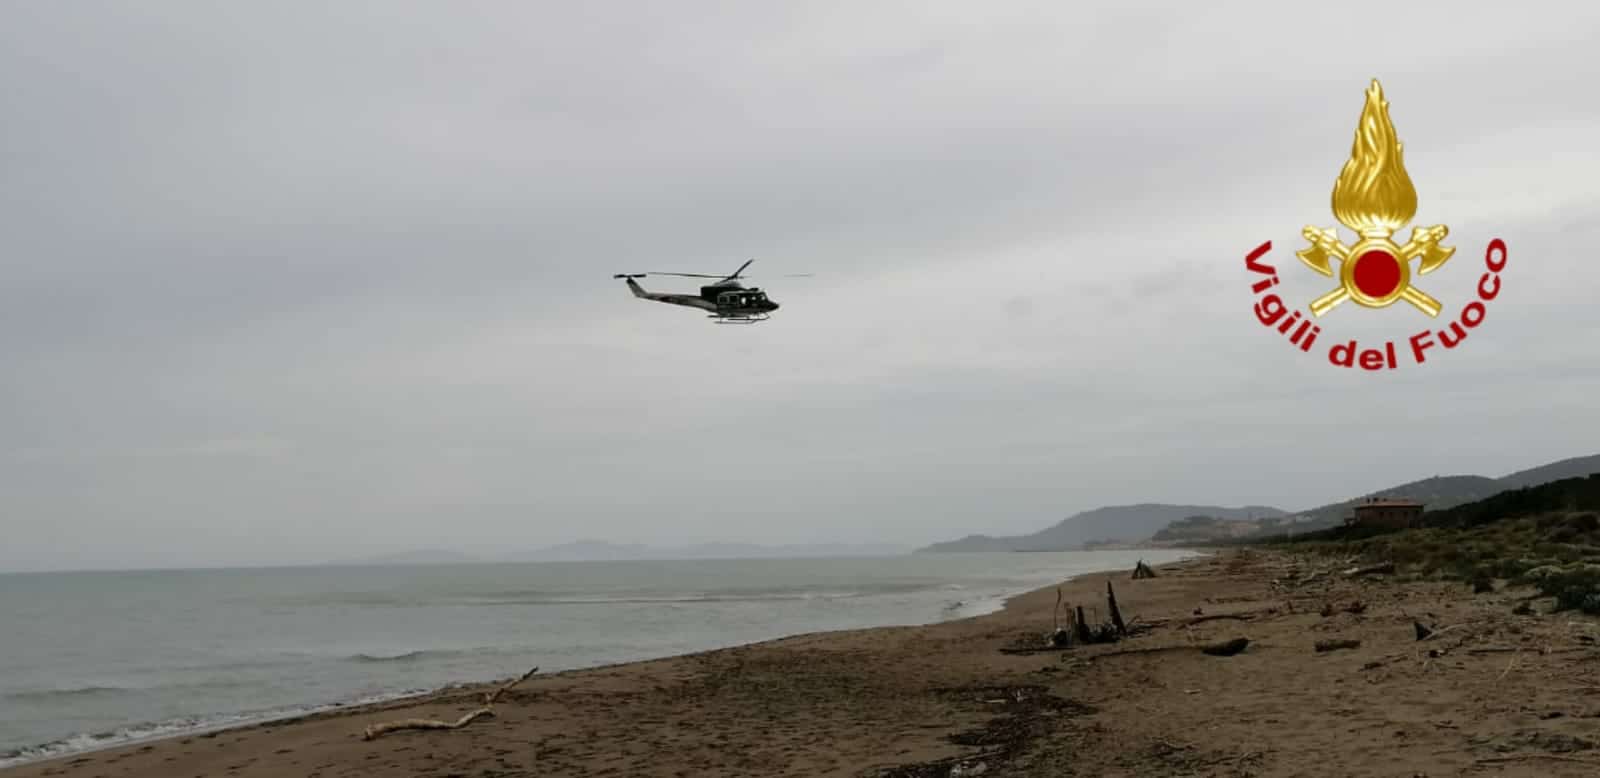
(726, 300)
(731, 297)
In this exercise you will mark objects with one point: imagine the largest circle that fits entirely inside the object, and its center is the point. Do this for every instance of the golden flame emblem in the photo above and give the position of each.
(1374, 197)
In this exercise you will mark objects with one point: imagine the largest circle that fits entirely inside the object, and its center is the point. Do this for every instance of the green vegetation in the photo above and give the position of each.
(1547, 537)
(1558, 553)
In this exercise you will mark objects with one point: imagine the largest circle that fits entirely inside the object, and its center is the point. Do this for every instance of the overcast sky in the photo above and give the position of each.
(286, 282)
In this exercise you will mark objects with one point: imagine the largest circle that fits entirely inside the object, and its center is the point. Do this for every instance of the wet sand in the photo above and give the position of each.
(1506, 694)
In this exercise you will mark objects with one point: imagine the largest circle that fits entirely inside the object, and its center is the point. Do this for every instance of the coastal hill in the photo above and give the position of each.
(1119, 523)
(1555, 471)
(1443, 492)
(1436, 493)
(1198, 523)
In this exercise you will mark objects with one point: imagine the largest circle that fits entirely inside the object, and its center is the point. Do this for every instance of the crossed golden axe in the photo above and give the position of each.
(1374, 197)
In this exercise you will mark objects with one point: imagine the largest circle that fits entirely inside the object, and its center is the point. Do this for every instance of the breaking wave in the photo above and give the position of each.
(47, 695)
(188, 725)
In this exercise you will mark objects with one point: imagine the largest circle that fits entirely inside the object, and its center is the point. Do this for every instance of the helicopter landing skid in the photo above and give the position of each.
(751, 319)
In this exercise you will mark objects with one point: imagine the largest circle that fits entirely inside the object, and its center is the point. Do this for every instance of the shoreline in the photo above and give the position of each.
(172, 729)
(1500, 692)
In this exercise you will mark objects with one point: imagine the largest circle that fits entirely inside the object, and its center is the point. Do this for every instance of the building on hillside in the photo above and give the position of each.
(1390, 512)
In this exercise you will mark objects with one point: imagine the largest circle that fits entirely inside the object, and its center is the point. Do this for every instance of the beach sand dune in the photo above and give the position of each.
(1503, 694)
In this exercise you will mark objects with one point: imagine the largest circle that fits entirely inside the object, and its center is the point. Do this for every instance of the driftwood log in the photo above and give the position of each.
(375, 731)
(1224, 648)
(1384, 568)
(378, 730)
(1246, 616)
(1078, 629)
(1116, 614)
(1335, 645)
(490, 699)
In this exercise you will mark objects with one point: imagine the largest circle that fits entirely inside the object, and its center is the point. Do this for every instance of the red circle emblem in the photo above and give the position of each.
(1377, 273)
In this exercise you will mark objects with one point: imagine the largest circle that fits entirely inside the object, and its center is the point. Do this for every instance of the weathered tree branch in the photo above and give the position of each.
(378, 730)
(1384, 568)
(1116, 615)
(375, 731)
(490, 699)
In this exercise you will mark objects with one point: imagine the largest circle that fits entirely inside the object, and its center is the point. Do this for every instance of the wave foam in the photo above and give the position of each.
(78, 692)
(188, 725)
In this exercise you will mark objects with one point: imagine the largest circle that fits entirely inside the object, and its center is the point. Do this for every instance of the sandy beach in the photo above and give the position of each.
(1493, 692)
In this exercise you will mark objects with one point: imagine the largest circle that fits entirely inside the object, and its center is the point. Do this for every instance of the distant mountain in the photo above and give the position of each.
(1579, 494)
(1434, 493)
(1555, 471)
(1444, 492)
(1126, 523)
(583, 551)
(597, 550)
(420, 557)
(1207, 529)
(1138, 523)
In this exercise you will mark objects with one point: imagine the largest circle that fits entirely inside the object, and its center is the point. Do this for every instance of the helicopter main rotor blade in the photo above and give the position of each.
(686, 275)
(741, 268)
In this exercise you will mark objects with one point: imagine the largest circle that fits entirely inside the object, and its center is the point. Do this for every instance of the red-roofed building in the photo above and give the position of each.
(1391, 512)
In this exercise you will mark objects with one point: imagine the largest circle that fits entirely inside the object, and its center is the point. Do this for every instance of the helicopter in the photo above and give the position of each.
(725, 300)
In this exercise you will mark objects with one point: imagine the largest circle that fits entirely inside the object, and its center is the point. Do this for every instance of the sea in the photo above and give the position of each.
(90, 660)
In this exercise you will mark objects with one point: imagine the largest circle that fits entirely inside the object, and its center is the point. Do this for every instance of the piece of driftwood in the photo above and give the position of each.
(378, 730)
(490, 699)
(1080, 628)
(1436, 633)
(1382, 568)
(487, 711)
(1248, 616)
(1525, 650)
(1551, 757)
(1028, 651)
(1423, 631)
(1141, 650)
(1142, 570)
(1336, 644)
(1116, 614)
(1226, 648)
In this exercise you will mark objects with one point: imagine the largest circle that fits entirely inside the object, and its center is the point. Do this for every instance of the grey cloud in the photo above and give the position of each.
(278, 276)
